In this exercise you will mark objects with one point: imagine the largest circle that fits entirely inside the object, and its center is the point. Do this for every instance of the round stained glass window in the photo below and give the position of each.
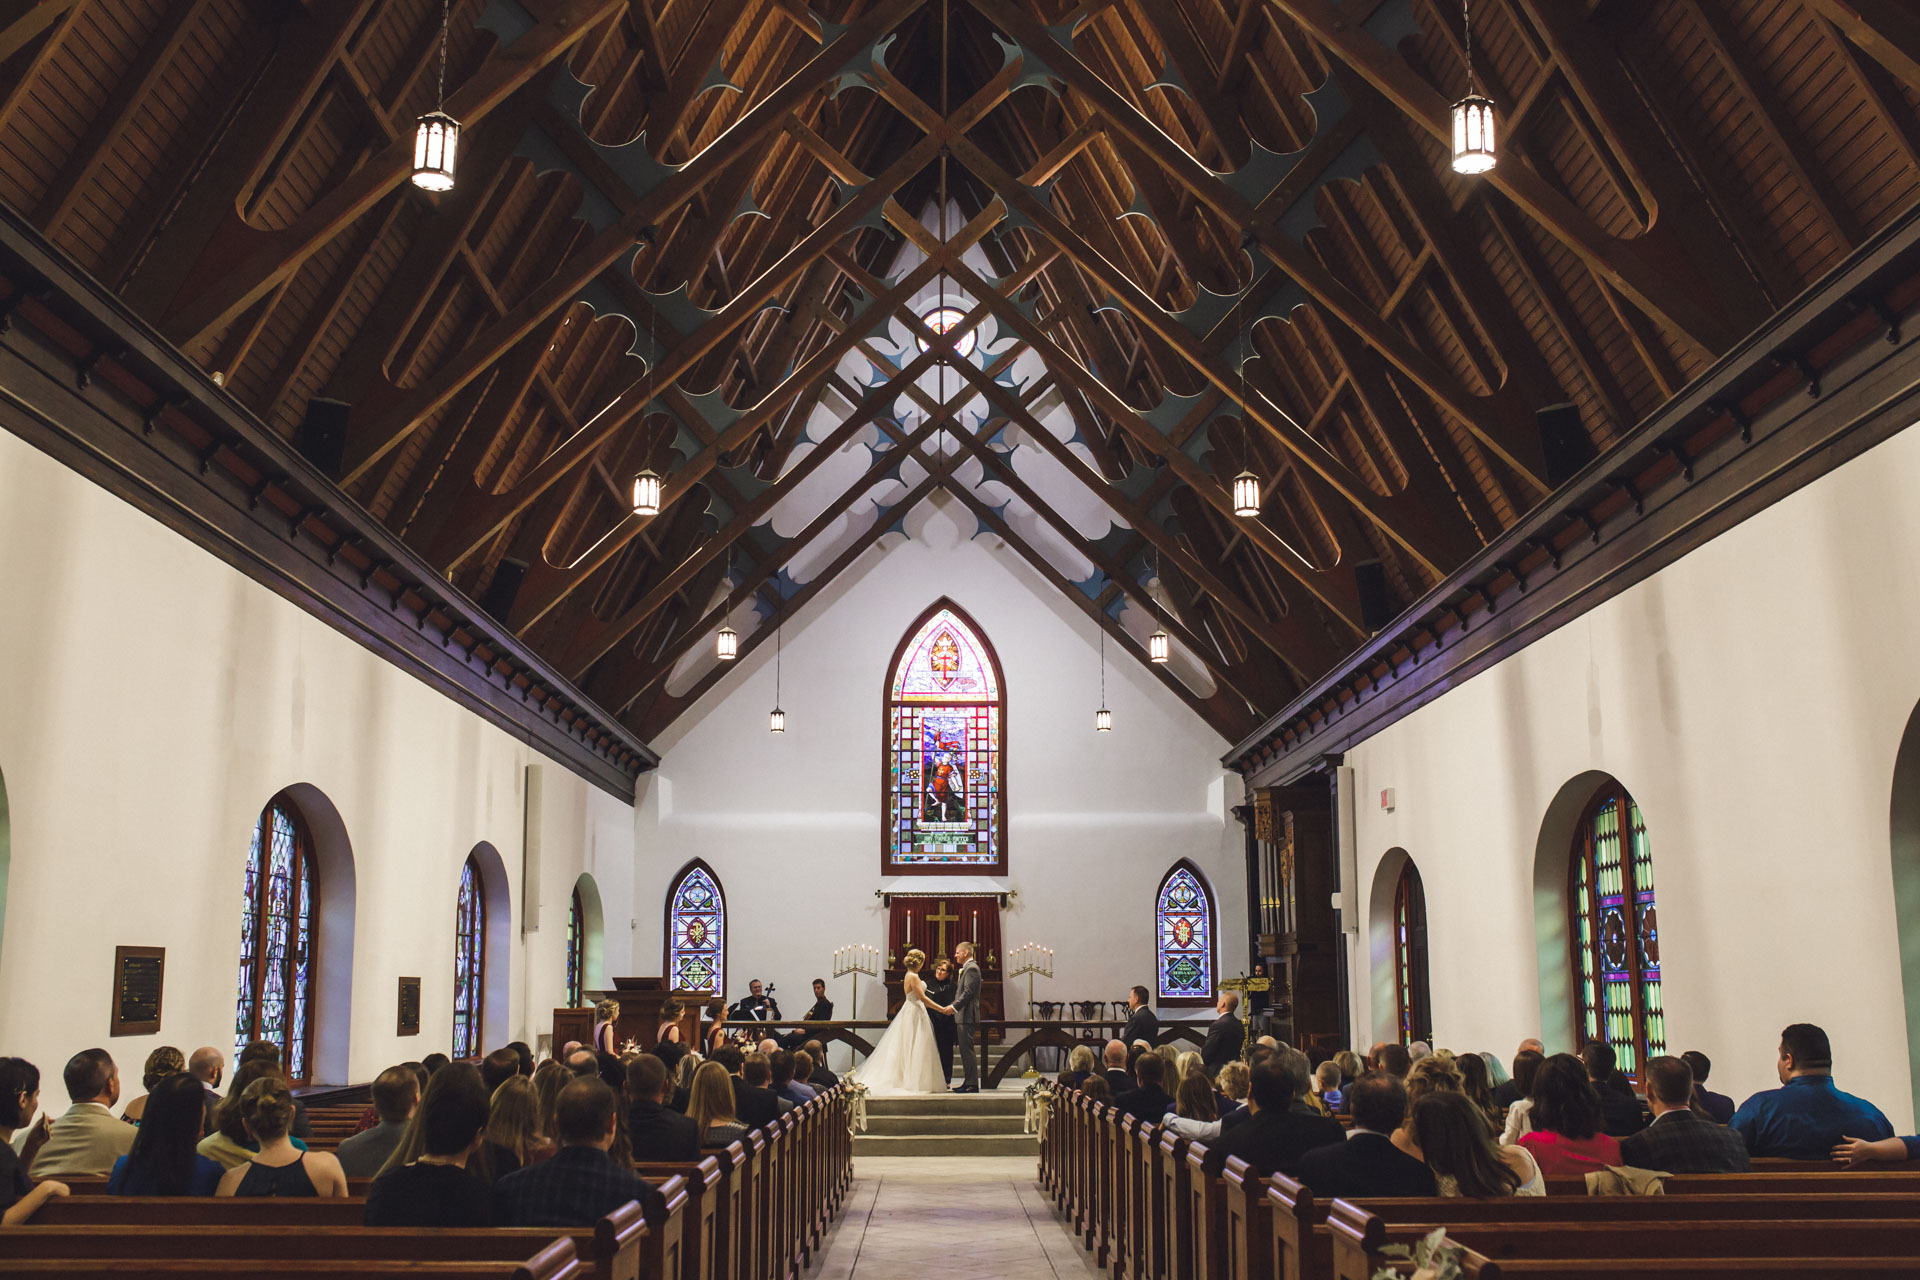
(945, 320)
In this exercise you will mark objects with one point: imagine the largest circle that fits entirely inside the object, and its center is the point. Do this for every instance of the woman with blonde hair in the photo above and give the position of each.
(1230, 1087)
(710, 1107)
(907, 1059)
(278, 1168)
(1186, 1064)
(513, 1127)
(161, 1063)
(549, 1078)
(606, 1019)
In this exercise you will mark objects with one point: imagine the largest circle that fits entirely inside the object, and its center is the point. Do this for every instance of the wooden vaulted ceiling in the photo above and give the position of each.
(1226, 229)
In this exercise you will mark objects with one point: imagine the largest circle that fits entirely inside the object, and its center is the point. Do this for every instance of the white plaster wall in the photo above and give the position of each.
(1752, 697)
(792, 822)
(156, 699)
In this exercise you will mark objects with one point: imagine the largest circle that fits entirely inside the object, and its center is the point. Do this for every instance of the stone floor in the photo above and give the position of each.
(950, 1219)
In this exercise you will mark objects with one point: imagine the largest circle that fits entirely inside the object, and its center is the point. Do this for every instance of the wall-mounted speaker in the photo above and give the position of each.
(1565, 442)
(322, 435)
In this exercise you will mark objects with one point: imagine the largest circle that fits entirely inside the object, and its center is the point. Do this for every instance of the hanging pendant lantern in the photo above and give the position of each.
(1159, 646)
(436, 136)
(1103, 721)
(776, 721)
(1473, 132)
(1246, 495)
(726, 644)
(1473, 128)
(646, 494)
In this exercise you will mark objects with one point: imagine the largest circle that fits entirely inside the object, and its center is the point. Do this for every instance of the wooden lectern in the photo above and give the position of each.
(640, 1000)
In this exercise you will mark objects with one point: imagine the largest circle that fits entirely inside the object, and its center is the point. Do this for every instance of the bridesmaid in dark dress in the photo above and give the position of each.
(940, 990)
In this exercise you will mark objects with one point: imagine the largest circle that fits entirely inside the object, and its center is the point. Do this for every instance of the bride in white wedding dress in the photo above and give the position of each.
(906, 1060)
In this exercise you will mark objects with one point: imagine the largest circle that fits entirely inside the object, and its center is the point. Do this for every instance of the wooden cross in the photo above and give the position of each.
(943, 920)
(1244, 985)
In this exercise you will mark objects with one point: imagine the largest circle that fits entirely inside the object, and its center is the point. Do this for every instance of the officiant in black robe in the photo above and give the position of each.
(941, 988)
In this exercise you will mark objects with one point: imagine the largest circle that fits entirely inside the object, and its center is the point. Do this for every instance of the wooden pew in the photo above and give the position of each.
(1171, 1251)
(556, 1260)
(700, 1241)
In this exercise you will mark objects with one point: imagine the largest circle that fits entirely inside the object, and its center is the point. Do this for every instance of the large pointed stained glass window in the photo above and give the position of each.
(276, 940)
(1615, 931)
(1183, 913)
(697, 932)
(943, 766)
(469, 962)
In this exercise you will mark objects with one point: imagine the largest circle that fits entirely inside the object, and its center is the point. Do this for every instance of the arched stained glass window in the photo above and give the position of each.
(1615, 931)
(277, 912)
(1187, 957)
(943, 769)
(576, 950)
(697, 932)
(1410, 957)
(469, 963)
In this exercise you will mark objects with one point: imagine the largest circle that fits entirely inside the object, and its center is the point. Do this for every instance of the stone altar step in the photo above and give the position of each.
(950, 1124)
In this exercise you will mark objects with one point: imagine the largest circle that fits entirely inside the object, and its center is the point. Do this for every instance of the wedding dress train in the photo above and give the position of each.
(907, 1060)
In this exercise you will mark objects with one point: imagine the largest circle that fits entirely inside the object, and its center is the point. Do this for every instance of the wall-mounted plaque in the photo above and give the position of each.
(409, 1007)
(138, 979)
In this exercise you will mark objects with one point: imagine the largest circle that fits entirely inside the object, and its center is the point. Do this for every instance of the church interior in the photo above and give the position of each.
(1273, 519)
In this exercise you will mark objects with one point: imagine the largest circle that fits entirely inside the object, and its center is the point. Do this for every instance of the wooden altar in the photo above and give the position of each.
(640, 1001)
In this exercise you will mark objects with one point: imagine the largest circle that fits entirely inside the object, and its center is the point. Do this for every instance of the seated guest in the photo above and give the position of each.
(163, 1161)
(821, 1077)
(780, 1065)
(1804, 1119)
(209, 1066)
(1143, 1026)
(161, 1063)
(1275, 1137)
(1195, 1116)
(1097, 1088)
(1225, 1035)
(548, 1079)
(1148, 1099)
(1368, 1163)
(433, 1062)
(396, 1091)
(1326, 1086)
(1477, 1083)
(803, 1070)
(1526, 1068)
(514, 1137)
(1116, 1067)
(268, 1052)
(753, 1101)
(1450, 1132)
(1505, 1095)
(1432, 1074)
(583, 1064)
(1853, 1151)
(1184, 1065)
(683, 1081)
(1417, 1050)
(278, 1168)
(580, 1184)
(656, 1132)
(1351, 1067)
(434, 1188)
(1079, 1067)
(1230, 1094)
(229, 1143)
(1392, 1058)
(1566, 1137)
(1718, 1106)
(711, 1107)
(499, 1067)
(1678, 1140)
(87, 1139)
(523, 1051)
(20, 1198)
(1619, 1106)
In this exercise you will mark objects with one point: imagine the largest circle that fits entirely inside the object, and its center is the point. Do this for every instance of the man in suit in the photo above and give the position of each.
(1717, 1105)
(89, 1137)
(1275, 1137)
(658, 1133)
(754, 1101)
(1142, 1026)
(1509, 1093)
(209, 1066)
(1678, 1141)
(966, 1018)
(1149, 1100)
(1113, 1065)
(1620, 1113)
(396, 1094)
(1367, 1163)
(1225, 1036)
(821, 1077)
(580, 1184)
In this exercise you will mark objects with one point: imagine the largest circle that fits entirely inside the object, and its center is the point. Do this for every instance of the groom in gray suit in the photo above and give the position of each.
(966, 1017)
